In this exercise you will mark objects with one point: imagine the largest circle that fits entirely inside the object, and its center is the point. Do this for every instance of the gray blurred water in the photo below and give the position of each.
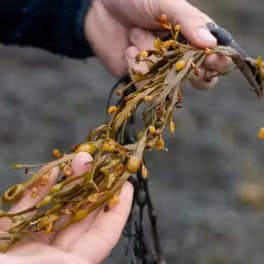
(47, 102)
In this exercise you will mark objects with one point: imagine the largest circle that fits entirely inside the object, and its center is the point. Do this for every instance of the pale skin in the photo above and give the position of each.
(117, 30)
(123, 28)
(87, 242)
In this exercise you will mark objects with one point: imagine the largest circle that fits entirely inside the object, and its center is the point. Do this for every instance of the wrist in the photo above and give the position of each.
(93, 21)
(84, 10)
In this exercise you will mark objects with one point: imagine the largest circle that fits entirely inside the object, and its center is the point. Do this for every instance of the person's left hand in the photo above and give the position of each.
(87, 242)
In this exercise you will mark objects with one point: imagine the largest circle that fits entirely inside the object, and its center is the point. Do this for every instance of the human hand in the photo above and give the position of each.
(118, 30)
(89, 241)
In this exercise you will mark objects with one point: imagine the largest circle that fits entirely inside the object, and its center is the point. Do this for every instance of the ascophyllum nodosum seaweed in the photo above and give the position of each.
(160, 91)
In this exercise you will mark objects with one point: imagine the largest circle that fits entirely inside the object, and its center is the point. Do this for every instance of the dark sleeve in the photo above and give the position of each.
(53, 25)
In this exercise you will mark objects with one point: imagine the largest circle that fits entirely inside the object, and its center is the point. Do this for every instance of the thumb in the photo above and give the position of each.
(192, 21)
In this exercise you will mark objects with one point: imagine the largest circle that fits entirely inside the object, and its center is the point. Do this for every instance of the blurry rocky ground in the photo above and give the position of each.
(47, 102)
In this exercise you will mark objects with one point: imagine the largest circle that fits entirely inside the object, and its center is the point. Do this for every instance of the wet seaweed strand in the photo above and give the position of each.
(160, 91)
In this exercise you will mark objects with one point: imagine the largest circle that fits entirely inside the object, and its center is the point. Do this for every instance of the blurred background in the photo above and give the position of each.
(214, 158)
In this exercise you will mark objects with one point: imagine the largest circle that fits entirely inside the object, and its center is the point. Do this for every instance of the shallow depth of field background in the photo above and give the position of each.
(47, 102)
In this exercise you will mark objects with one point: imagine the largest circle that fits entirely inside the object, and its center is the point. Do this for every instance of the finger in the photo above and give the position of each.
(217, 62)
(140, 67)
(105, 230)
(142, 39)
(28, 201)
(214, 64)
(81, 163)
(204, 81)
(192, 21)
(131, 54)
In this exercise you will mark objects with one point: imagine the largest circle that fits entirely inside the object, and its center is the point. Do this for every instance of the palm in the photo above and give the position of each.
(89, 241)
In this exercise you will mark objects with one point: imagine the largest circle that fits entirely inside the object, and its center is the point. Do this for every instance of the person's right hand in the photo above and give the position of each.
(118, 29)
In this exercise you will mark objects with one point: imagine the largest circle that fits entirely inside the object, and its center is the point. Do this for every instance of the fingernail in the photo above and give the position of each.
(206, 36)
